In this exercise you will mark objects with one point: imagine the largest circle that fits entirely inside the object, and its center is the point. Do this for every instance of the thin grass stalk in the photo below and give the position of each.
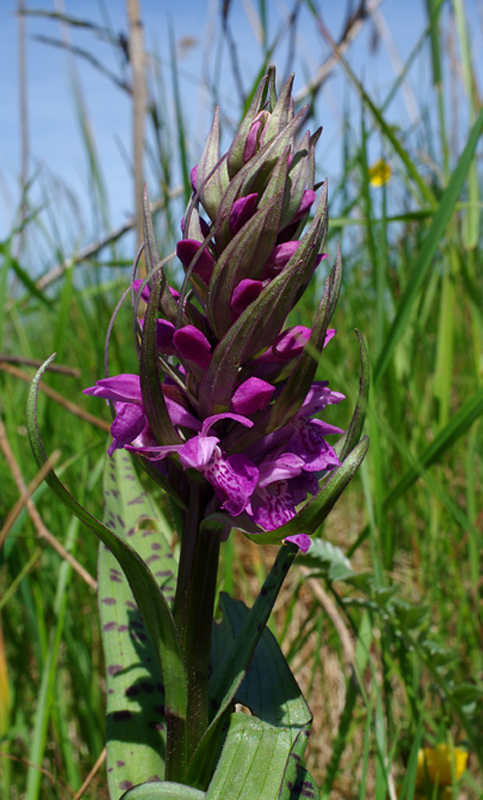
(139, 95)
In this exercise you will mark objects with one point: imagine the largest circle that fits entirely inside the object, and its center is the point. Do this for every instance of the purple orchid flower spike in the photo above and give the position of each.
(226, 398)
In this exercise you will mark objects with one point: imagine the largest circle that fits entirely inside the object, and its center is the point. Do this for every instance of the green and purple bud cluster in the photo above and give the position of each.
(226, 394)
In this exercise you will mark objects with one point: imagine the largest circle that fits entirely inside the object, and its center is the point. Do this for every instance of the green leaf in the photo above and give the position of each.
(152, 604)
(135, 722)
(269, 689)
(328, 559)
(425, 259)
(253, 761)
(167, 790)
(232, 660)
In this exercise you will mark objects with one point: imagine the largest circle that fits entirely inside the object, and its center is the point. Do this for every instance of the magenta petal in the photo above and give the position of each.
(288, 344)
(187, 249)
(317, 398)
(193, 177)
(279, 257)
(125, 388)
(302, 485)
(209, 421)
(192, 345)
(287, 465)
(302, 541)
(180, 416)
(164, 337)
(128, 424)
(197, 452)
(146, 293)
(245, 293)
(308, 443)
(272, 507)
(252, 140)
(308, 198)
(234, 480)
(252, 395)
(241, 211)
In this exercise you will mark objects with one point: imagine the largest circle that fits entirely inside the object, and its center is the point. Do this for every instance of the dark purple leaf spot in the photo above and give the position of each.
(152, 558)
(136, 500)
(157, 726)
(130, 604)
(132, 691)
(125, 785)
(148, 532)
(121, 521)
(120, 716)
(113, 669)
(109, 626)
(110, 691)
(120, 763)
(155, 546)
(131, 532)
(115, 578)
(115, 493)
(123, 628)
(109, 601)
(164, 573)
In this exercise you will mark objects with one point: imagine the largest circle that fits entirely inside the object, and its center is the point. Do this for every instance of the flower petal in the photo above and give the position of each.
(252, 395)
(129, 423)
(244, 293)
(302, 541)
(125, 388)
(234, 480)
(241, 211)
(187, 249)
(192, 345)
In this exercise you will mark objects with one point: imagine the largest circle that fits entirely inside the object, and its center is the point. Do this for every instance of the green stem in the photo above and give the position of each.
(193, 613)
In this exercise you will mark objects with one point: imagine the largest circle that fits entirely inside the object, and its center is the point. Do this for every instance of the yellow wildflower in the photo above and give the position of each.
(436, 764)
(379, 173)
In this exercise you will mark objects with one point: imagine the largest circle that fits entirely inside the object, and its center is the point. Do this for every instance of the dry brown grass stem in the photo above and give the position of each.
(60, 399)
(95, 769)
(42, 531)
(350, 33)
(138, 60)
(54, 779)
(92, 249)
(331, 610)
(35, 362)
(28, 492)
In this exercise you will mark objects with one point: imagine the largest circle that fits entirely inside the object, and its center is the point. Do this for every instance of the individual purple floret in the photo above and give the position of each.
(226, 393)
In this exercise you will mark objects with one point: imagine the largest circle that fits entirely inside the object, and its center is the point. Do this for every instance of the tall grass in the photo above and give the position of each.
(390, 651)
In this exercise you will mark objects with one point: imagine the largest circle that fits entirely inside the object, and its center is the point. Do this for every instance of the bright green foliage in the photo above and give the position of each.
(134, 685)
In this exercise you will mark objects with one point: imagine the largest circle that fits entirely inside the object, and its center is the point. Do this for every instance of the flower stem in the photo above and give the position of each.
(193, 613)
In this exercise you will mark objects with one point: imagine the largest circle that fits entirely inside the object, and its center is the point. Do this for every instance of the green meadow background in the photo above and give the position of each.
(387, 641)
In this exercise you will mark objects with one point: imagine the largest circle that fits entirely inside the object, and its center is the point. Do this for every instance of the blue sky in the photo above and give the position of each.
(57, 154)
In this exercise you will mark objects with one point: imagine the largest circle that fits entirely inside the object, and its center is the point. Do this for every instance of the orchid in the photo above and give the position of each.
(234, 387)
(224, 414)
